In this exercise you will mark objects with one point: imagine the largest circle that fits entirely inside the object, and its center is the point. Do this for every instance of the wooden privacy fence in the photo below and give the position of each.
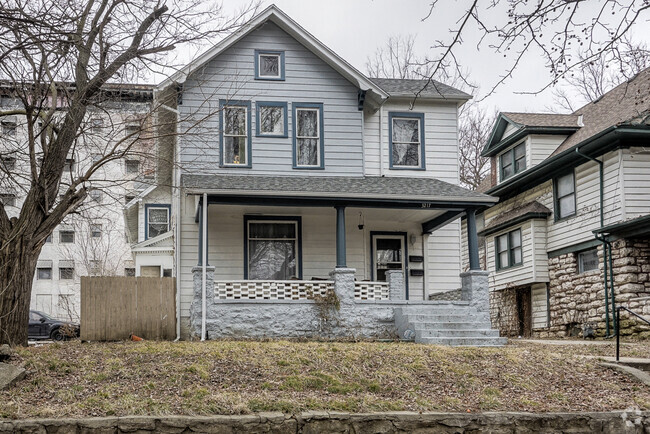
(113, 308)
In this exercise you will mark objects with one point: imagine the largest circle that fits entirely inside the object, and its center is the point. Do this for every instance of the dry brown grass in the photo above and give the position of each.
(230, 377)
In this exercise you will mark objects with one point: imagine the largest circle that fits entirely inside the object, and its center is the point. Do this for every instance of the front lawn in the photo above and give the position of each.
(230, 377)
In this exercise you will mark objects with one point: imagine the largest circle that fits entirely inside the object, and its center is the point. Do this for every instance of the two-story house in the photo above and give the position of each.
(569, 240)
(310, 200)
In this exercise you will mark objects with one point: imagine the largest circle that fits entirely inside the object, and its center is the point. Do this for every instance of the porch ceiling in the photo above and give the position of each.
(395, 192)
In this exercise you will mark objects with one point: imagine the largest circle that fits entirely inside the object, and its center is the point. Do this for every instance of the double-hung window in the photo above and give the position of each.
(66, 237)
(269, 65)
(271, 119)
(513, 161)
(272, 248)
(308, 136)
(235, 133)
(508, 249)
(157, 217)
(406, 131)
(565, 196)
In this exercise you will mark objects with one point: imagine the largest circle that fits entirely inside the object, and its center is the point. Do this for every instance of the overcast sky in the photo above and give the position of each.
(354, 29)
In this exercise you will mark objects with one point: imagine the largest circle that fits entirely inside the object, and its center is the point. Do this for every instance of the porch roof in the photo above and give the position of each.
(338, 188)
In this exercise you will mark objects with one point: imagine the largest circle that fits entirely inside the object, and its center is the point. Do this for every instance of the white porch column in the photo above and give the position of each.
(344, 284)
(396, 289)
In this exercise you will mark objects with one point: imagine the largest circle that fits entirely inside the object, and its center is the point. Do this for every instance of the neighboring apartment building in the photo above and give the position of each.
(569, 240)
(92, 240)
(297, 177)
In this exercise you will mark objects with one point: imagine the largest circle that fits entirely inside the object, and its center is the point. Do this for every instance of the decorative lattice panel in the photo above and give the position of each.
(271, 290)
(371, 291)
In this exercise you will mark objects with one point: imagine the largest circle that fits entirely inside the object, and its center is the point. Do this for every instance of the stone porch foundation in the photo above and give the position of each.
(316, 319)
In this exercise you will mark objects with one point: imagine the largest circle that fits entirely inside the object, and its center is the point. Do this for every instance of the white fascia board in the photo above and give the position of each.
(140, 196)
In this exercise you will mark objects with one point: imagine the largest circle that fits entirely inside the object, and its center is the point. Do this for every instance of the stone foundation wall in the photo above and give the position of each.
(503, 312)
(618, 422)
(577, 299)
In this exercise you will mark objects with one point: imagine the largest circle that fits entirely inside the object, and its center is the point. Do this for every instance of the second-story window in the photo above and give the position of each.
(8, 163)
(157, 220)
(271, 119)
(308, 136)
(9, 126)
(132, 167)
(406, 140)
(269, 65)
(8, 199)
(235, 134)
(513, 161)
(508, 250)
(66, 237)
(565, 196)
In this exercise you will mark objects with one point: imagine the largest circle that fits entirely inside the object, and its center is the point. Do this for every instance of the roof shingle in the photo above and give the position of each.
(410, 87)
(403, 188)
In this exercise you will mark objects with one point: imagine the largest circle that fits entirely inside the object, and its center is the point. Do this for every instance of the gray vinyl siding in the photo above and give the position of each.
(635, 177)
(440, 140)
(308, 79)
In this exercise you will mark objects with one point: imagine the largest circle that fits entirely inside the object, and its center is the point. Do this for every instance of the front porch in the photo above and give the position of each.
(325, 267)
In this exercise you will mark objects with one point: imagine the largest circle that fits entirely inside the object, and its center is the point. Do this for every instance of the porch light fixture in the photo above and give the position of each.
(360, 221)
(412, 239)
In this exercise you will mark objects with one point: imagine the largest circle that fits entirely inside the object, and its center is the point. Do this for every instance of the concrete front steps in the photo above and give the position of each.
(453, 323)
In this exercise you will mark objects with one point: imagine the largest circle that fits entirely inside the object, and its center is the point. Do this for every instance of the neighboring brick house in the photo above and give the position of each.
(297, 177)
(573, 218)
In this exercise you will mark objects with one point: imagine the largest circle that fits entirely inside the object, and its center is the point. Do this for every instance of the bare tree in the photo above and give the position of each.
(592, 79)
(397, 59)
(474, 130)
(57, 57)
(553, 30)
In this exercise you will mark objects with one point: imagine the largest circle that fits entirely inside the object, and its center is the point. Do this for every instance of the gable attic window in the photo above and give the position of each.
(66, 237)
(235, 133)
(513, 161)
(564, 194)
(406, 135)
(269, 65)
(271, 119)
(157, 218)
(308, 150)
(508, 250)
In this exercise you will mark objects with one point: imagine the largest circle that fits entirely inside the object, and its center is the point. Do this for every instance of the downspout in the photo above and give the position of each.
(607, 260)
(204, 265)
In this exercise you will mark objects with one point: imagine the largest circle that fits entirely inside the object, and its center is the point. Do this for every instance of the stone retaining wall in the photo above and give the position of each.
(319, 422)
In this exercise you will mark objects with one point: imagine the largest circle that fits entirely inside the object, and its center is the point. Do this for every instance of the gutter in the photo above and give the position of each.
(607, 247)
(599, 143)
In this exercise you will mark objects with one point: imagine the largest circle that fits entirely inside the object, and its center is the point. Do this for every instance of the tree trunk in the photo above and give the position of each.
(17, 266)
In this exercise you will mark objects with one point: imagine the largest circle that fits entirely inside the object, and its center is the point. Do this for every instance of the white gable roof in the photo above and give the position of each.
(282, 20)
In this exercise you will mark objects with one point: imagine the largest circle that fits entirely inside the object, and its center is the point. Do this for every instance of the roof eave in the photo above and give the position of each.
(523, 132)
(595, 145)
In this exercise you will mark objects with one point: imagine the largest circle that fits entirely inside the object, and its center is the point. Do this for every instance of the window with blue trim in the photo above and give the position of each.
(235, 133)
(269, 65)
(406, 140)
(271, 119)
(308, 136)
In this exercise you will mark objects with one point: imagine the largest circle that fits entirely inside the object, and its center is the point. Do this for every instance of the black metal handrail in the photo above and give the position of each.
(618, 326)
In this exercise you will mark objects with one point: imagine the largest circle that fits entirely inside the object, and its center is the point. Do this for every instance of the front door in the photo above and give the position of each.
(389, 253)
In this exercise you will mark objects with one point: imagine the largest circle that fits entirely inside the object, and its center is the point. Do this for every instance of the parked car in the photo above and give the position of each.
(42, 326)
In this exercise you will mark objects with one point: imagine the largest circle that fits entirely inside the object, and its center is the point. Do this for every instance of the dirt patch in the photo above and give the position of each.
(228, 377)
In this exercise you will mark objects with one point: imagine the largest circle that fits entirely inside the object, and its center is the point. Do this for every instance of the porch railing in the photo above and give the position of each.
(292, 289)
(271, 289)
(371, 291)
